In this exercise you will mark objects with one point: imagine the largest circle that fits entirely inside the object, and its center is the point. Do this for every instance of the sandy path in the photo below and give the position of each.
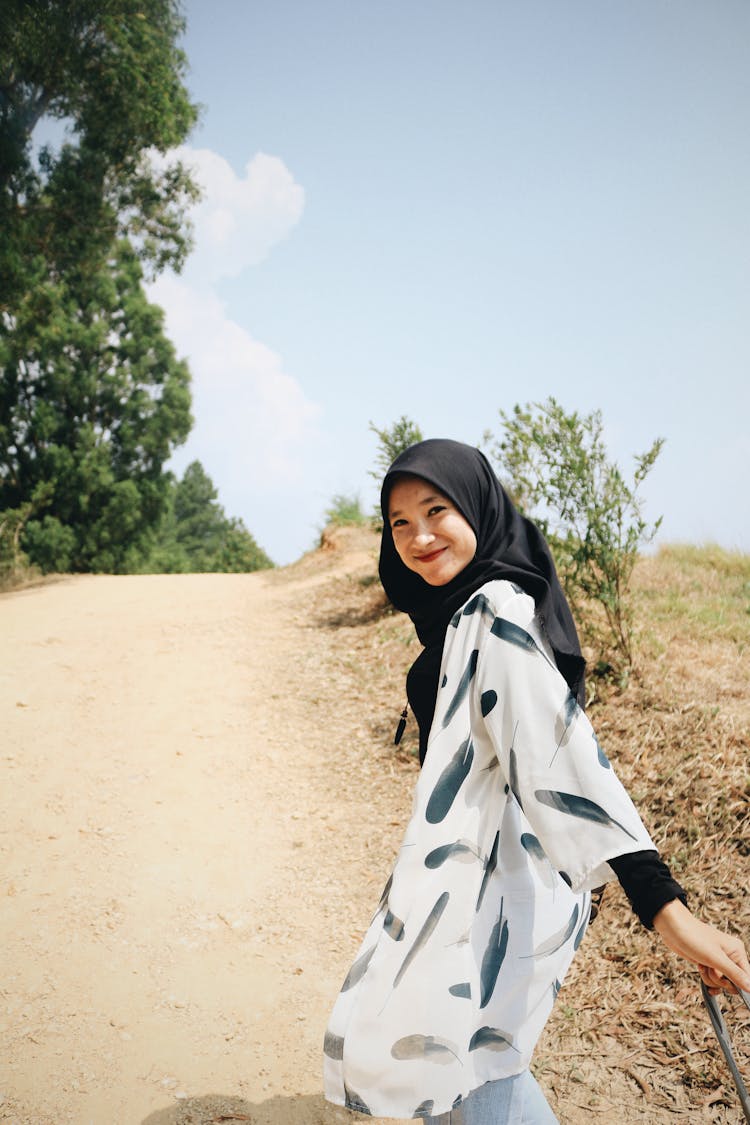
(199, 806)
(175, 879)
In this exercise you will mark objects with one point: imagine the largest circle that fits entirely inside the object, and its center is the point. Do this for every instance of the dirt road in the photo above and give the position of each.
(199, 805)
(181, 882)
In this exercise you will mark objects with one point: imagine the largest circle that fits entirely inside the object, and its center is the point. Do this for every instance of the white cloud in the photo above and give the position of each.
(254, 423)
(256, 431)
(239, 219)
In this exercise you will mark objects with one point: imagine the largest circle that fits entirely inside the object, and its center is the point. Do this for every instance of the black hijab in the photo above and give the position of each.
(509, 546)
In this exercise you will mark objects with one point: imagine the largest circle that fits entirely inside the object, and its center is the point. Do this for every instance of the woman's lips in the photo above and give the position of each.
(432, 555)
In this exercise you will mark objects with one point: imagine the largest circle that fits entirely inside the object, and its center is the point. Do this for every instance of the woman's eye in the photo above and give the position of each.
(397, 523)
(435, 509)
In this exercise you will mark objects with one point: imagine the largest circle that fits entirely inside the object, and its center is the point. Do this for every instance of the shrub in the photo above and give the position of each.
(345, 511)
(558, 471)
(392, 440)
(15, 566)
(51, 544)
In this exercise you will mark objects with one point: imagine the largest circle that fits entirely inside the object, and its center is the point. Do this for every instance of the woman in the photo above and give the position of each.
(517, 818)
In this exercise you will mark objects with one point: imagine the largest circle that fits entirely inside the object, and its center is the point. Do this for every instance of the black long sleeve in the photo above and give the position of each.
(648, 883)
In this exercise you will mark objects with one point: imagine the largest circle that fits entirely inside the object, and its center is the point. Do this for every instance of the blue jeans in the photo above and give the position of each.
(507, 1101)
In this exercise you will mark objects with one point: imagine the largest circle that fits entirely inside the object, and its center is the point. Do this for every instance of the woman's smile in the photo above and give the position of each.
(429, 557)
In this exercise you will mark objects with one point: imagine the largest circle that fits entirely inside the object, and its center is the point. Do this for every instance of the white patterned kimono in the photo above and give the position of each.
(516, 812)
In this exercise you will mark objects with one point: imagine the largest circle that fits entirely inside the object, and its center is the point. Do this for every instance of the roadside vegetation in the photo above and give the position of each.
(629, 1028)
(555, 465)
(93, 398)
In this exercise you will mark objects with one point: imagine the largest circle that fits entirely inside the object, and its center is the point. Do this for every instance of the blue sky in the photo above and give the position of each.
(440, 209)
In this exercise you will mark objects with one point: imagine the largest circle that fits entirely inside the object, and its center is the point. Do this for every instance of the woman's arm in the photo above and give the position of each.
(721, 959)
(577, 808)
(647, 882)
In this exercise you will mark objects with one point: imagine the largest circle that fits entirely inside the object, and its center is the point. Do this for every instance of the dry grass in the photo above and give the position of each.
(629, 1029)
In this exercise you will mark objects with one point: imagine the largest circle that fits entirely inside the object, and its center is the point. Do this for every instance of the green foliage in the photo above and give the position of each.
(111, 71)
(92, 403)
(558, 471)
(345, 511)
(51, 544)
(92, 398)
(240, 552)
(14, 563)
(392, 440)
(196, 536)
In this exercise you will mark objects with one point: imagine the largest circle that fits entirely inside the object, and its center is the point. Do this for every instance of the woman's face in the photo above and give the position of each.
(431, 536)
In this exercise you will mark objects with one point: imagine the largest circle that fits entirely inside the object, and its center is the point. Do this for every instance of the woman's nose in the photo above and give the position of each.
(423, 536)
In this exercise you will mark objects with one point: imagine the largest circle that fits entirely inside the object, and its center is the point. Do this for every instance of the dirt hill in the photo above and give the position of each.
(200, 804)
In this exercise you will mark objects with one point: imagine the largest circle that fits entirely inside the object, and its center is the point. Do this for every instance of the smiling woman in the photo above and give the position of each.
(518, 819)
(431, 536)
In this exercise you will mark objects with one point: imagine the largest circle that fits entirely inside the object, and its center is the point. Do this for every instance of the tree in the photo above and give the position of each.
(196, 536)
(240, 552)
(199, 519)
(92, 403)
(557, 469)
(92, 398)
(112, 72)
(392, 440)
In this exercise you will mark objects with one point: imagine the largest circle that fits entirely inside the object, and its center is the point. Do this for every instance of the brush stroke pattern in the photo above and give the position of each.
(383, 897)
(424, 1047)
(489, 870)
(489, 897)
(462, 689)
(492, 960)
(358, 970)
(515, 787)
(487, 702)
(492, 1038)
(333, 1045)
(479, 604)
(582, 807)
(449, 783)
(393, 926)
(463, 850)
(423, 936)
(565, 723)
(353, 1101)
(514, 635)
(601, 756)
(531, 844)
(557, 941)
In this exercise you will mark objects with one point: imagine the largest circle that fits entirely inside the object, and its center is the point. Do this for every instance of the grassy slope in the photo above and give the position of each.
(629, 1028)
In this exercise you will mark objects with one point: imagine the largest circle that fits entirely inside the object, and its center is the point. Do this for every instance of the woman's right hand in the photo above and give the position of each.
(721, 958)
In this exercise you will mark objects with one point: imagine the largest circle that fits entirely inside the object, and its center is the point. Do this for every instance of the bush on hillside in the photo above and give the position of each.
(392, 440)
(559, 473)
(345, 510)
